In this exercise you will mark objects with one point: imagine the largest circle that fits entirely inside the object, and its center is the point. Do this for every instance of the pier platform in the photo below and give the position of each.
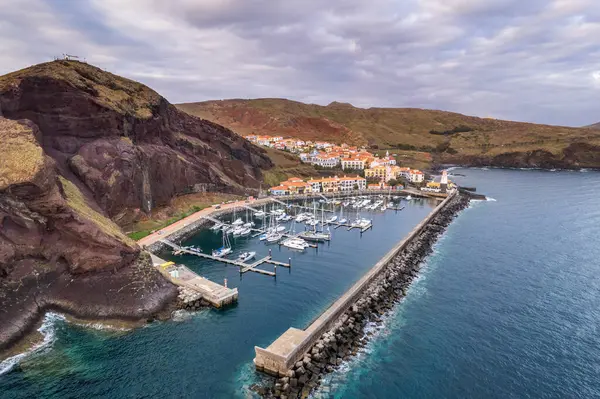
(215, 294)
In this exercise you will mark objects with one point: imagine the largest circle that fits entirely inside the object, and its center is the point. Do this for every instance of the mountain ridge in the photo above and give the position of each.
(484, 141)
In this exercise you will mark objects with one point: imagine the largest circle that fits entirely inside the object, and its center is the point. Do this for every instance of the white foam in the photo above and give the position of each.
(491, 199)
(48, 330)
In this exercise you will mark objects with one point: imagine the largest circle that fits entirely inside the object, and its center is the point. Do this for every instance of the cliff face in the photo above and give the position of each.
(128, 145)
(58, 252)
(448, 137)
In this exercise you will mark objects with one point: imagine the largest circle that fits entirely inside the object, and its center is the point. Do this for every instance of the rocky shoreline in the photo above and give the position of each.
(348, 336)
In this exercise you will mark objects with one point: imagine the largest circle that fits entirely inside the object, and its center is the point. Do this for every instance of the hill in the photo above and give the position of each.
(448, 137)
(594, 126)
(124, 144)
(84, 151)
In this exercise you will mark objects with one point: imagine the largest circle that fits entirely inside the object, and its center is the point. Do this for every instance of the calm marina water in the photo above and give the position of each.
(507, 306)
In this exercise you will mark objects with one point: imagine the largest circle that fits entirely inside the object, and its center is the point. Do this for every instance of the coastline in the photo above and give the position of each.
(347, 336)
(135, 294)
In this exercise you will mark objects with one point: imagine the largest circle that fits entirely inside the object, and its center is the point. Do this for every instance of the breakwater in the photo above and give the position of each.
(301, 358)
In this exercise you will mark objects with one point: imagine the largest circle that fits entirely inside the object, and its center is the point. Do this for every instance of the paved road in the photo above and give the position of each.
(166, 231)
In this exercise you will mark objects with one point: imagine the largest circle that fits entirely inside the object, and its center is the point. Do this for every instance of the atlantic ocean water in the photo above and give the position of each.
(507, 306)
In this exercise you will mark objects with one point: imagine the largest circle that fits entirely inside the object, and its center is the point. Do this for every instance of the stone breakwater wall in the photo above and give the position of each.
(188, 299)
(345, 336)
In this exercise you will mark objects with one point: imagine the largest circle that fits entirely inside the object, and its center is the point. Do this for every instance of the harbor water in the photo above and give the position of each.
(209, 354)
(507, 306)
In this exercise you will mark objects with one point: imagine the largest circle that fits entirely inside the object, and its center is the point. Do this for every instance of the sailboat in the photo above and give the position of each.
(225, 249)
(342, 219)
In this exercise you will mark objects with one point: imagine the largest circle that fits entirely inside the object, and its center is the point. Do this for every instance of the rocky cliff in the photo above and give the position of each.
(130, 148)
(56, 251)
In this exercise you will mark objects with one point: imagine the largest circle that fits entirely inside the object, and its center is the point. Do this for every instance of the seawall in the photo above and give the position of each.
(301, 357)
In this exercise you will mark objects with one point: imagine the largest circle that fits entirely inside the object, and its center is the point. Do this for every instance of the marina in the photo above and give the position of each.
(244, 267)
(273, 229)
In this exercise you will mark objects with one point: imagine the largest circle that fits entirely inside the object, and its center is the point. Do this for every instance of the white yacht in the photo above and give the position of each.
(244, 256)
(295, 243)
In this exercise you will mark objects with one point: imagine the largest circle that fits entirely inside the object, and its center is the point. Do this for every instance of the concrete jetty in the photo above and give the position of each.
(215, 294)
(279, 357)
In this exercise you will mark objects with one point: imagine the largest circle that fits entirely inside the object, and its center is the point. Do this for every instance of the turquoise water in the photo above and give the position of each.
(207, 354)
(507, 307)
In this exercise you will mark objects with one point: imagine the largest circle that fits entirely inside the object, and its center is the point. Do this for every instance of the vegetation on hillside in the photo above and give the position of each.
(438, 132)
(115, 92)
(22, 157)
(77, 202)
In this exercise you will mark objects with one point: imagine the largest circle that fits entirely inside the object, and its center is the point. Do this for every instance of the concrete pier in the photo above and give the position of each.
(213, 293)
(283, 353)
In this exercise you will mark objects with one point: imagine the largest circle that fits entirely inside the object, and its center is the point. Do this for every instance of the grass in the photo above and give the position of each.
(180, 208)
(77, 202)
(286, 165)
(22, 158)
(115, 92)
(407, 128)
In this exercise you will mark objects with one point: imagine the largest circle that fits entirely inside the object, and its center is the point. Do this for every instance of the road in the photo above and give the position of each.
(172, 228)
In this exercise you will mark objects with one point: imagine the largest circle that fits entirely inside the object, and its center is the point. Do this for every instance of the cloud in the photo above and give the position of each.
(534, 60)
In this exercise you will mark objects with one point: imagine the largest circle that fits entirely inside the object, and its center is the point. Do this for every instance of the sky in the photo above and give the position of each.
(526, 60)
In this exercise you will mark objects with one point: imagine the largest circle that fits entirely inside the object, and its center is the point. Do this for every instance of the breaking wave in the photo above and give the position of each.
(48, 330)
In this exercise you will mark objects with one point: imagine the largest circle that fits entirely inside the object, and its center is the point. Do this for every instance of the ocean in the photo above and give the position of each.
(506, 306)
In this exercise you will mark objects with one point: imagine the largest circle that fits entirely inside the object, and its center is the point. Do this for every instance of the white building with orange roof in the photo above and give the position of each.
(350, 183)
(279, 190)
(325, 160)
(416, 176)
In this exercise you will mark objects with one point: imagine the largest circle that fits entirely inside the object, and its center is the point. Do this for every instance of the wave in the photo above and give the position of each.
(48, 330)
(491, 199)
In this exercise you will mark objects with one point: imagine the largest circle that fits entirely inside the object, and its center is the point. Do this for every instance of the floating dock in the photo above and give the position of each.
(215, 294)
(244, 267)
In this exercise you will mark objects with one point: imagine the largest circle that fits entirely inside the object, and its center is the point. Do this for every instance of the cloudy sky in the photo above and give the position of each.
(529, 60)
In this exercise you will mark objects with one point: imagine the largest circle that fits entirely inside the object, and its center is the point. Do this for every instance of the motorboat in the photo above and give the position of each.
(221, 252)
(237, 222)
(217, 227)
(237, 231)
(408, 198)
(300, 218)
(312, 222)
(331, 219)
(259, 214)
(286, 218)
(295, 243)
(262, 237)
(280, 217)
(343, 220)
(244, 256)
